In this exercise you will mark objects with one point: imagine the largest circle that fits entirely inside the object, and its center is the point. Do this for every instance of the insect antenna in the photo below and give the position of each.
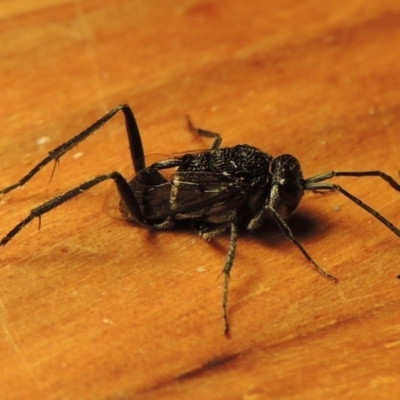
(317, 183)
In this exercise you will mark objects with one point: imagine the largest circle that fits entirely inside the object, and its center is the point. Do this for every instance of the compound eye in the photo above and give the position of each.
(290, 192)
(288, 187)
(287, 181)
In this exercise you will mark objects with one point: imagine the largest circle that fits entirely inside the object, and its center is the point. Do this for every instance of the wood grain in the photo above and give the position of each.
(94, 308)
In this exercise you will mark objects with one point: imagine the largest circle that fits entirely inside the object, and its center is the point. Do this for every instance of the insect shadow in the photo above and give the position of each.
(218, 190)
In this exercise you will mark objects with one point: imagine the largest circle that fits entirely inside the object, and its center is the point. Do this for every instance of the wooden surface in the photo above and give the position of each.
(94, 308)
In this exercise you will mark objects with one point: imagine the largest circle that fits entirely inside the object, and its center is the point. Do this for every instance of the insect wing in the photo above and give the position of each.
(201, 188)
(163, 193)
(191, 194)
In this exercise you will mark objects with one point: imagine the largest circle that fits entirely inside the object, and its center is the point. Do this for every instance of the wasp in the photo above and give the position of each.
(219, 190)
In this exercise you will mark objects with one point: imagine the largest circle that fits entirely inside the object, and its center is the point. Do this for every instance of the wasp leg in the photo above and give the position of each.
(125, 192)
(226, 271)
(135, 143)
(208, 134)
(168, 223)
(287, 232)
(209, 231)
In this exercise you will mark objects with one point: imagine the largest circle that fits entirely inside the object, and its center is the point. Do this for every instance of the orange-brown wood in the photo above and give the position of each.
(94, 308)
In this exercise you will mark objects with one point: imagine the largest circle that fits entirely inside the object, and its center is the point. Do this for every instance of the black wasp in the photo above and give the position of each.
(218, 190)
